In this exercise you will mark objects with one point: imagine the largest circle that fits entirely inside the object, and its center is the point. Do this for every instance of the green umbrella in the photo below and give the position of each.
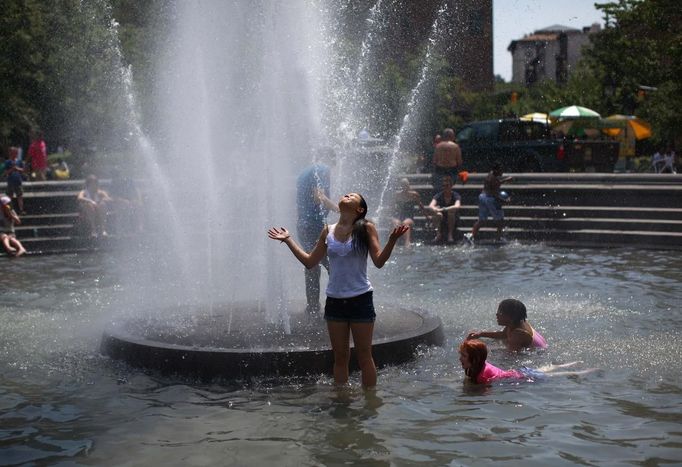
(573, 111)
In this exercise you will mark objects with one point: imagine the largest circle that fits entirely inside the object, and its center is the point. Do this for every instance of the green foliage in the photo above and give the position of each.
(63, 66)
(21, 74)
(63, 71)
(640, 45)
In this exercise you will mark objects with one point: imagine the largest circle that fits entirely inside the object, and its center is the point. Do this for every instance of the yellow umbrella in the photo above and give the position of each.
(536, 117)
(640, 128)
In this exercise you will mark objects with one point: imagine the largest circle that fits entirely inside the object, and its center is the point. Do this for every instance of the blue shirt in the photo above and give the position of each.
(310, 212)
(13, 177)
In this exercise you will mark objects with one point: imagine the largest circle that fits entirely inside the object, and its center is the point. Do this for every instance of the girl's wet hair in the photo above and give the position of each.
(477, 352)
(513, 308)
(360, 236)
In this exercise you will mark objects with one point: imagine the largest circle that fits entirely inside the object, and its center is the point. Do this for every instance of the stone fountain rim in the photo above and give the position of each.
(430, 323)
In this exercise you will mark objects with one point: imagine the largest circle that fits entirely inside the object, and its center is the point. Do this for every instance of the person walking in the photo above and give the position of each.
(349, 308)
(490, 203)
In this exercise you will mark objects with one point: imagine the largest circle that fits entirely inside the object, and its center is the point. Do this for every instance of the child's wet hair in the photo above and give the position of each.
(513, 308)
(477, 352)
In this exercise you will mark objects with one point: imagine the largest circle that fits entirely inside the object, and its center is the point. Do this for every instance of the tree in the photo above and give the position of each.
(21, 72)
(640, 46)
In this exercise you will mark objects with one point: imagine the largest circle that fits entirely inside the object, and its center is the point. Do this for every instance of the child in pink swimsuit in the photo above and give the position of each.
(473, 354)
(517, 333)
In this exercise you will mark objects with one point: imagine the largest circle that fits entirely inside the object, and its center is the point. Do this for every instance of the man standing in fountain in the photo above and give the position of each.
(313, 204)
(447, 158)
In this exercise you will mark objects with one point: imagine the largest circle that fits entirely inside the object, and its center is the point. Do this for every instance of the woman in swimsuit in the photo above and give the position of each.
(517, 333)
(473, 356)
(349, 308)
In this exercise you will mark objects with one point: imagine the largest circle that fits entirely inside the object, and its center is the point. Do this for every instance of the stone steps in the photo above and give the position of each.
(590, 209)
(644, 210)
(468, 216)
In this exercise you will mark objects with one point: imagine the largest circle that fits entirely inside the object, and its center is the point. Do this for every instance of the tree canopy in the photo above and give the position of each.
(632, 66)
(65, 69)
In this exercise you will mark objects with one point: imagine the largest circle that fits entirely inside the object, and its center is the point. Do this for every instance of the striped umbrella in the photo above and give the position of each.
(573, 111)
(640, 128)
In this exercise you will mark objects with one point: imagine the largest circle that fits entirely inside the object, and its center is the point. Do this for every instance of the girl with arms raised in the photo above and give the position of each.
(349, 308)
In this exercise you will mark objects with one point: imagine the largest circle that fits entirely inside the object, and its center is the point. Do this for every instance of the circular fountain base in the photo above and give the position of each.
(233, 344)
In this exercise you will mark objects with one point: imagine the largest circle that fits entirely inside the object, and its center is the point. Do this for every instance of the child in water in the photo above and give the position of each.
(473, 354)
(517, 333)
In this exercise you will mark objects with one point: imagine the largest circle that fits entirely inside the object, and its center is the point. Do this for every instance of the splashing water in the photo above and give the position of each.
(408, 123)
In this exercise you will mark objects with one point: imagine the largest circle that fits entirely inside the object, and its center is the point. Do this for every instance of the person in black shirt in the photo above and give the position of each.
(444, 211)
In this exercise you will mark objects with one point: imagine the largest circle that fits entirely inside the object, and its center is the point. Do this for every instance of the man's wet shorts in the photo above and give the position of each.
(358, 309)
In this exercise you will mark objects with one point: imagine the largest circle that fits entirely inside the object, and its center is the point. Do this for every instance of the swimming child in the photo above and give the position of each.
(8, 218)
(473, 354)
(517, 333)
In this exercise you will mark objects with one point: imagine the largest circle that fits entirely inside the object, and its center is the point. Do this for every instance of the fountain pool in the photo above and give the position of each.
(62, 403)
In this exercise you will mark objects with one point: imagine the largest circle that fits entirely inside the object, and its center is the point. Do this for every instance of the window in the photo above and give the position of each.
(510, 131)
(465, 134)
(486, 131)
(535, 131)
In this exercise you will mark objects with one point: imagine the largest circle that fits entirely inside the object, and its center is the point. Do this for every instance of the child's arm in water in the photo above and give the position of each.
(489, 334)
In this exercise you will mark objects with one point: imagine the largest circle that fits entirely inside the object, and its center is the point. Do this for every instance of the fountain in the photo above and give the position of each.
(244, 101)
(62, 403)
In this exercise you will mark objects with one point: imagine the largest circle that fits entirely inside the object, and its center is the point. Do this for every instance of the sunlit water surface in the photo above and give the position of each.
(616, 310)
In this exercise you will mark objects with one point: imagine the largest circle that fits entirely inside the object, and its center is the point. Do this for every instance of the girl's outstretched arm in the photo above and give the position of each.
(308, 260)
(489, 334)
(380, 256)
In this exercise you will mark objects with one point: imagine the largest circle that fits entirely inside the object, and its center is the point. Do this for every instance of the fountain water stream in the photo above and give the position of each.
(242, 90)
(408, 123)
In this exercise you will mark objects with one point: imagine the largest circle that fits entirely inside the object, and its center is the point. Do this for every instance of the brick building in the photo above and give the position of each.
(551, 53)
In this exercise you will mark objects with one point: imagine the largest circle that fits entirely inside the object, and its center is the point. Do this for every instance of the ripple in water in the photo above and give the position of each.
(614, 310)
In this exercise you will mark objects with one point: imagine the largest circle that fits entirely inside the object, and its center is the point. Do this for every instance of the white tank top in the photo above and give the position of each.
(347, 268)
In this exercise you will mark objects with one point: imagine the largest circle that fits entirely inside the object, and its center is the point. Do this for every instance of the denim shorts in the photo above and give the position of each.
(489, 206)
(358, 309)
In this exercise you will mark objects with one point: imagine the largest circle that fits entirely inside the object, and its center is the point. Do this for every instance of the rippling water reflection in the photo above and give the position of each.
(617, 310)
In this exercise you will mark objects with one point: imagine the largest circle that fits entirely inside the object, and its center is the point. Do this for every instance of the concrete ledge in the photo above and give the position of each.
(209, 348)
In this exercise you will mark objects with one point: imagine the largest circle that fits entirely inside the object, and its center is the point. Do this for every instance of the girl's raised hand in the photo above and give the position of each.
(280, 234)
(398, 232)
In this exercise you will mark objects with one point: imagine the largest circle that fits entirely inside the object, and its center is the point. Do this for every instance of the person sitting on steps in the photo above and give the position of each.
(444, 211)
(93, 205)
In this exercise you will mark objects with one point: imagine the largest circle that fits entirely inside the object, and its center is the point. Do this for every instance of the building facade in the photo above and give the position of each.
(551, 53)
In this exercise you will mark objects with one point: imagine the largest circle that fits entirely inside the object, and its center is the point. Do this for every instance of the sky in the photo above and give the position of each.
(514, 18)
